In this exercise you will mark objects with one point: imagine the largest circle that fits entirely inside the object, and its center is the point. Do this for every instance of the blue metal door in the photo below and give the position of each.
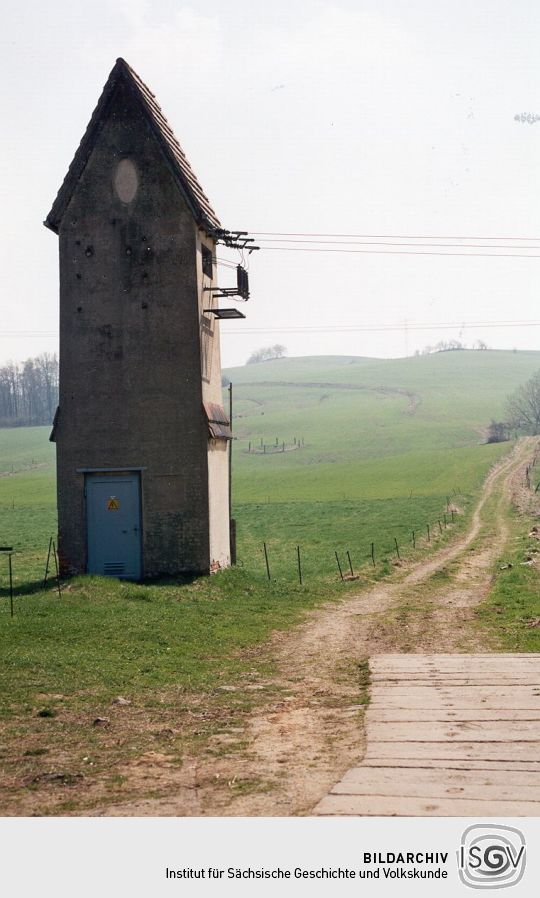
(113, 514)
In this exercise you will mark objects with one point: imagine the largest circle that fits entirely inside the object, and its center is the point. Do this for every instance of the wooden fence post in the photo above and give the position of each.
(10, 584)
(266, 561)
(47, 564)
(339, 566)
(57, 570)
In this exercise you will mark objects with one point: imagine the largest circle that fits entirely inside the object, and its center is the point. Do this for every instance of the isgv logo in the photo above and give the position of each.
(491, 857)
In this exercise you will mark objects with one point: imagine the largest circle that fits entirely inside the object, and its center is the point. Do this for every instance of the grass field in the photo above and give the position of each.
(382, 446)
(383, 443)
(371, 428)
(512, 609)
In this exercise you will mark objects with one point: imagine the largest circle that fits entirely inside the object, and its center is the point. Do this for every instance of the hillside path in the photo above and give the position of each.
(414, 399)
(447, 735)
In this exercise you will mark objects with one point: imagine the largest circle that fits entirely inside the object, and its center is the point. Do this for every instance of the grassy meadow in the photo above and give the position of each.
(381, 446)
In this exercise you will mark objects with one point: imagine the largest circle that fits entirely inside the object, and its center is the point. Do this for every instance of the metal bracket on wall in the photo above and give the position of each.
(224, 314)
(241, 289)
(233, 239)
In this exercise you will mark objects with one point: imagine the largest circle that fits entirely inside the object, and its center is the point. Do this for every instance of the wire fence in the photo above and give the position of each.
(419, 538)
(343, 558)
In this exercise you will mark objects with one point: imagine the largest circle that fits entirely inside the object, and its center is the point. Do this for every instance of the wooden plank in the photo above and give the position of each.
(462, 662)
(456, 673)
(456, 680)
(454, 764)
(456, 658)
(459, 662)
(522, 697)
(447, 735)
(438, 791)
(456, 703)
(440, 674)
(405, 778)
(456, 731)
(501, 685)
(483, 670)
(382, 806)
(453, 662)
(440, 678)
(446, 688)
(493, 751)
(374, 715)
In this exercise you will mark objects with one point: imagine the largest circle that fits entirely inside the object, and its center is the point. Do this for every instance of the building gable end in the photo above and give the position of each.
(171, 150)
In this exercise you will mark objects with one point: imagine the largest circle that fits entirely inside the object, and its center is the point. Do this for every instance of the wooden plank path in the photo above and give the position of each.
(447, 735)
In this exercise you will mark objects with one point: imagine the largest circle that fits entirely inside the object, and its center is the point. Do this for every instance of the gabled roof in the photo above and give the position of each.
(171, 149)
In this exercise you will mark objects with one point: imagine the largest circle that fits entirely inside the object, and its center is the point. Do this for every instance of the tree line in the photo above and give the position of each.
(452, 346)
(266, 353)
(522, 411)
(29, 391)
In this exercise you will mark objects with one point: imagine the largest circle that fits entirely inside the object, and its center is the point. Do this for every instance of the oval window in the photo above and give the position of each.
(126, 180)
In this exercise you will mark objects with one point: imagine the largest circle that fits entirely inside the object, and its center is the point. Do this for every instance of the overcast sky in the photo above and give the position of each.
(376, 117)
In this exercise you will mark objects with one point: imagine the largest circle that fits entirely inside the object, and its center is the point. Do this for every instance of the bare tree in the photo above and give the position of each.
(266, 353)
(449, 345)
(524, 406)
(29, 391)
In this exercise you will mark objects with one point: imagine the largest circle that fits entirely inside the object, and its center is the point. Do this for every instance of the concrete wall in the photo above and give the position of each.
(218, 477)
(218, 450)
(130, 360)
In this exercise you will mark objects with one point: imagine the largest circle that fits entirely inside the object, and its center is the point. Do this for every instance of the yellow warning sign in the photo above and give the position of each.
(113, 504)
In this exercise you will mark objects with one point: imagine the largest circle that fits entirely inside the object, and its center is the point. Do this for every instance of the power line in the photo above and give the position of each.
(420, 325)
(384, 236)
(342, 328)
(439, 245)
(404, 252)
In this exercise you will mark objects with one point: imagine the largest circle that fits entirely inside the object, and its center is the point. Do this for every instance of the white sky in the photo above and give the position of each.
(375, 117)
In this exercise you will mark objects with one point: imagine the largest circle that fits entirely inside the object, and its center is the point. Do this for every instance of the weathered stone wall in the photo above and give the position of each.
(130, 364)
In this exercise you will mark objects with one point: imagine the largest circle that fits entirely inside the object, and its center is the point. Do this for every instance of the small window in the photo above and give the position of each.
(207, 266)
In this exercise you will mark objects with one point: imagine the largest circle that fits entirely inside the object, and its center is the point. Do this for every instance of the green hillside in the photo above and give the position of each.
(371, 428)
(380, 445)
(383, 443)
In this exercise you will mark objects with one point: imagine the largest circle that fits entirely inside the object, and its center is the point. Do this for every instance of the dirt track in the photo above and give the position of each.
(298, 746)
